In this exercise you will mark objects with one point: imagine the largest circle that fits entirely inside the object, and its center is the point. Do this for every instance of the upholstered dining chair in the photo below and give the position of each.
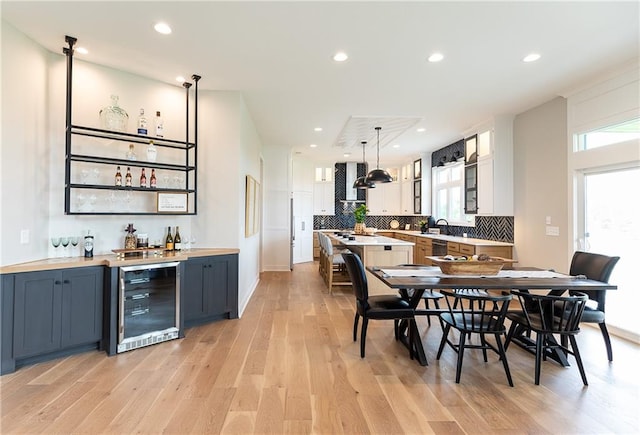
(597, 267)
(473, 313)
(378, 307)
(547, 315)
(334, 266)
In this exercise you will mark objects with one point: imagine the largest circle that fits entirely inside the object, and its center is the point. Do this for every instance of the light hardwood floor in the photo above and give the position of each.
(290, 366)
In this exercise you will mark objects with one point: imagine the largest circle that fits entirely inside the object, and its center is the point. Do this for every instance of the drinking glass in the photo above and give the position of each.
(74, 242)
(92, 200)
(55, 241)
(65, 242)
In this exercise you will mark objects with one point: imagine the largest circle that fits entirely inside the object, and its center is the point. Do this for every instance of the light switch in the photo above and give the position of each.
(552, 231)
(24, 237)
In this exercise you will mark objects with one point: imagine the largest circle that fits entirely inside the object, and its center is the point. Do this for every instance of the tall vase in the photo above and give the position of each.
(359, 228)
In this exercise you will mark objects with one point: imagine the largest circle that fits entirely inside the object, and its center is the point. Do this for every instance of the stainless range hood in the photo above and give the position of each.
(351, 197)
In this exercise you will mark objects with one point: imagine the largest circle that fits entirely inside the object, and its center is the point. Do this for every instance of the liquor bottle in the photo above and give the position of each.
(168, 243)
(152, 152)
(142, 123)
(153, 182)
(118, 177)
(159, 123)
(127, 178)
(131, 154)
(177, 241)
(88, 245)
(143, 179)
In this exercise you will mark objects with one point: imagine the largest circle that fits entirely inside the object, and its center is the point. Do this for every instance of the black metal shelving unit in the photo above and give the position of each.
(189, 168)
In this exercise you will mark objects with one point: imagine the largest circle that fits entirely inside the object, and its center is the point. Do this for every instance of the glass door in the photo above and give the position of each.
(611, 219)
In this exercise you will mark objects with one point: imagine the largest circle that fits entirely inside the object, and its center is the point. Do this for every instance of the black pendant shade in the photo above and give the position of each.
(378, 175)
(360, 182)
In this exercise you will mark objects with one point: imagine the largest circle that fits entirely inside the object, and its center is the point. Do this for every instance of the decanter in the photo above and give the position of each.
(113, 117)
(152, 152)
(130, 240)
(131, 154)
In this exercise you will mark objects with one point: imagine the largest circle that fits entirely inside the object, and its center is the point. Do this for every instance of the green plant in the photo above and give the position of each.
(422, 223)
(360, 213)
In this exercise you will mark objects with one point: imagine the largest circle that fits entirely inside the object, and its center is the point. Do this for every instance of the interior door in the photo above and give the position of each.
(302, 227)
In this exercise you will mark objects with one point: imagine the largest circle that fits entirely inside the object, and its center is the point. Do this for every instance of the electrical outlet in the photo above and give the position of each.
(552, 231)
(547, 220)
(24, 237)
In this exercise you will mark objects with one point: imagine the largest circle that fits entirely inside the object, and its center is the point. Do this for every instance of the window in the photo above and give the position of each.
(609, 135)
(448, 194)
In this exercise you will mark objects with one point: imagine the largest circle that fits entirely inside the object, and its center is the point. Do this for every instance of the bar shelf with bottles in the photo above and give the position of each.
(93, 156)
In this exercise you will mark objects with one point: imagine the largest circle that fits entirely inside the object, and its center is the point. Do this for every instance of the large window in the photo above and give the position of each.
(448, 194)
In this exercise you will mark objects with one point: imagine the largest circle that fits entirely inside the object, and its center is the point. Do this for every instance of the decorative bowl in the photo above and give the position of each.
(470, 267)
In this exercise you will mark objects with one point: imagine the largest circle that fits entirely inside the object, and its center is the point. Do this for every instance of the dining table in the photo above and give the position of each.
(411, 281)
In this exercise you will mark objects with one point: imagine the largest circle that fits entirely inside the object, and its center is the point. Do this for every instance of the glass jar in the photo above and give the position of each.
(113, 117)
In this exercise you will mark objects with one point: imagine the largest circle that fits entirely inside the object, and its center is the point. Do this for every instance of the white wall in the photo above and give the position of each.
(33, 102)
(540, 185)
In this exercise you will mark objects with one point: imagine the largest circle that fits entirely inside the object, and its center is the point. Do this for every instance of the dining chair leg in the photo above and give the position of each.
(355, 326)
(503, 357)
(483, 343)
(576, 354)
(363, 335)
(412, 327)
(512, 329)
(445, 334)
(396, 329)
(426, 306)
(540, 338)
(607, 340)
(463, 337)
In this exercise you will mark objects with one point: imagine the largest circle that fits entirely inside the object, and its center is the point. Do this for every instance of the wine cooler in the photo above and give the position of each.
(149, 305)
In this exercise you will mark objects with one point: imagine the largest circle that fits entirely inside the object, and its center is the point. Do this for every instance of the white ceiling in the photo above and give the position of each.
(279, 54)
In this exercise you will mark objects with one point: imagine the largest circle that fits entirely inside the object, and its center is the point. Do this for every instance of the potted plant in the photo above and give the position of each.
(360, 214)
(423, 226)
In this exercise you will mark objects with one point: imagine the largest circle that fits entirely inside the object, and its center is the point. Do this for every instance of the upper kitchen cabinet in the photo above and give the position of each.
(324, 191)
(324, 174)
(385, 199)
(493, 167)
(113, 167)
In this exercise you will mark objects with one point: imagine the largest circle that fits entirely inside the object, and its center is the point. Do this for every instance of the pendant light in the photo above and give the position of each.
(360, 182)
(378, 175)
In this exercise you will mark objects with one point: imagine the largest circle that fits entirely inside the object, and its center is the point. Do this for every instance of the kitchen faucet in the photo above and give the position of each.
(446, 223)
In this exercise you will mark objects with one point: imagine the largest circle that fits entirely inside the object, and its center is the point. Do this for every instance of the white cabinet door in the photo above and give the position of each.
(303, 228)
(323, 199)
(406, 188)
(485, 185)
(385, 199)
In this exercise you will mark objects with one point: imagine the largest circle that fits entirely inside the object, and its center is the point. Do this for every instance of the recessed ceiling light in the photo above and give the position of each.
(340, 56)
(317, 129)
(313, 145)
(82, 50)
(435, 57)
(162, 28)
(180, 79)
(421, 130)
(396, 146)
(347, 154)
(531, 57)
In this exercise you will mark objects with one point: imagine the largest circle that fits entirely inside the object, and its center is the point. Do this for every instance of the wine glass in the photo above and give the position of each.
(193, 241)
(85, 175)
(92, 200)
(74, 242)
(64, 241)
(80, 200)
(55, 241)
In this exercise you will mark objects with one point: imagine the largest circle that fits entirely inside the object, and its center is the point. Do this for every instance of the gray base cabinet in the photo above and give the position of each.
(46, 314)
(211, 289)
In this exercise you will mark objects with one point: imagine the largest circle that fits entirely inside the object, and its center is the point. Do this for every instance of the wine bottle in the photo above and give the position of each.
(142, 123)
(143, 179)
(127, 178)
(168, 243)
(88, 245)
(118, 177)
(159, 123)
(177, 241)
(153, 182)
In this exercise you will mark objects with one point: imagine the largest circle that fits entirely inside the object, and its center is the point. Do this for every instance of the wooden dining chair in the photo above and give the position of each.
(334, 267)
(429, 295)
(547, 315)
(378, 307)
(475, 314)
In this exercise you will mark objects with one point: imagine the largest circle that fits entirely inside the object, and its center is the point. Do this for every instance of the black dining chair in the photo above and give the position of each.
(428, 295)
(378, 307)
(475, 314)
(597, 267)
(547, 315)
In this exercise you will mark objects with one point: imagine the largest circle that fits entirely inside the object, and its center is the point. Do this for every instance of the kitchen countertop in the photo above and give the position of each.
(372, 241)
(466, 240)
(111, 260)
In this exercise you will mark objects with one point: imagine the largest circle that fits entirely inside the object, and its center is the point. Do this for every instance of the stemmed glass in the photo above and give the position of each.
(74, 242)
(193, 241)
(65, 242)
(55, 241)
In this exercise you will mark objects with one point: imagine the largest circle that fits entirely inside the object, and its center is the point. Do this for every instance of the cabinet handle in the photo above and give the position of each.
(57, 282)
(66, 281)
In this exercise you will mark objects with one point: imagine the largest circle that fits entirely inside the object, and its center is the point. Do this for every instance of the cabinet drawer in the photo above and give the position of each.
(422, 242)
(467, 249)
(453, 246)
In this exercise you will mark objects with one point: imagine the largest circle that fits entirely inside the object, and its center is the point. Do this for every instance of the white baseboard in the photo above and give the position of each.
(242, 305)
